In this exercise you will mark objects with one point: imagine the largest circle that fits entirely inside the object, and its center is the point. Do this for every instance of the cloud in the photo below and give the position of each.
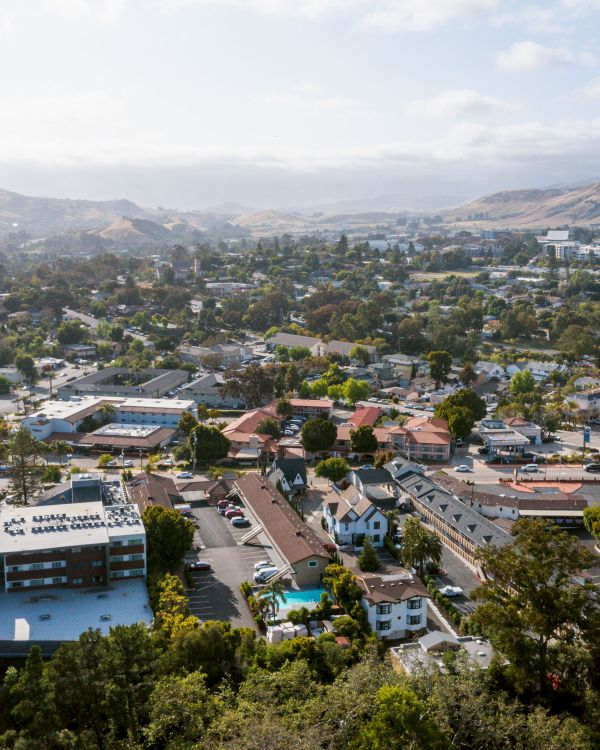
(525, 56)
(457, 102)
(420, 15)
(310, 99)
(592, 90)
(302, 8)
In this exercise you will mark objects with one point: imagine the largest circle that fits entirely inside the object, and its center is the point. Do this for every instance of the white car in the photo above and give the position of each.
(530, 468)
(128, 464)
(462, 468)
(263, 564)
(451, 591)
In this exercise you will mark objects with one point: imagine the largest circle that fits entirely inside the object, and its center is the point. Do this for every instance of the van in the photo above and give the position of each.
(263, 575)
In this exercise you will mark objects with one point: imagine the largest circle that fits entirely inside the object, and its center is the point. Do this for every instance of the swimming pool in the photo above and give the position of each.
(308, 598)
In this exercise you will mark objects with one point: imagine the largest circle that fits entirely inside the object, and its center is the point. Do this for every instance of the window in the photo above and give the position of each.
(415, 603)
(76, 581)
(59, 579)
(37, 582)
(376, 538)
(97, 563)
(346, 527)
(383, 609)
(36, 566)
(376, 524)
(15, 568)
(367, 526)
(117, 543)
(136, 572)
(58, 564)
(311, 563)
(413, 619)
(383, 625)
(135, 541)
(116, 558)
(15, 584)
(139, 556)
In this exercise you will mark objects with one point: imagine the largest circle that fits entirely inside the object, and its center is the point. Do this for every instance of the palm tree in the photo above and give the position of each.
(393, 517)
(107, 410)
(274, 593)
(419, 545)
(61, 449)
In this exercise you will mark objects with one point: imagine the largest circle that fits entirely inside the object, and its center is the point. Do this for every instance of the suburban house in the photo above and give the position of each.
(350, 516)
(376, 484)
(290, 341)
(343, 348)
(317, 347)
(396, 605)
(489, 370)
(422, 439)
(298, 546)
(79, 351)
(431, 647)
(588, 402)
(246, 442)
(289, 474)
(146, 489)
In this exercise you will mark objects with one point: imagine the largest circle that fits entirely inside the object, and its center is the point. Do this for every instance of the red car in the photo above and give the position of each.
(232, 512)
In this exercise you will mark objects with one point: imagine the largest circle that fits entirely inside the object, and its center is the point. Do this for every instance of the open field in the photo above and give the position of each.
(432, 275)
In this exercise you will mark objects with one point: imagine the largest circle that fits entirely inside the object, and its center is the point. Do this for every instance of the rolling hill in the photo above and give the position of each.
(532, 208)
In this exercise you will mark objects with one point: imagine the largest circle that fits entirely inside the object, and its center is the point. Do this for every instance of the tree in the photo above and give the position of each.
(168, 536)
(468, 374)
(298, 353)
(318, 435)
(274, 592)
(368, 560)
(254, 385)
(382, 457)
(268, 426)
(355, 390)
(419, 546)
(460, 422)
(172, 616)
(400, 721)
(187, 422)
(284, 408)
(61, 449)
(591, 520)
(51, 474)
(464, 397)
(360, 354)
(522, 384)
(26, 366)
(203, 413)
(71, 332)
(211, 444)
(363, 439)
(333, 469)
(5, 385)
(531, 607)
(25, 481)
(104, 458)
(440, 363)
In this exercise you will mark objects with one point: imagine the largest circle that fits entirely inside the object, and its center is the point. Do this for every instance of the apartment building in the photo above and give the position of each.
(75, 546)
(422, 439)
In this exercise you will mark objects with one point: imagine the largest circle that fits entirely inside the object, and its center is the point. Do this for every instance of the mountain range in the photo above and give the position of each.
(122, 221)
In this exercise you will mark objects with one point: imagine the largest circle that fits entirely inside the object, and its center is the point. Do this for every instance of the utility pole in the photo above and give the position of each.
(194, 444)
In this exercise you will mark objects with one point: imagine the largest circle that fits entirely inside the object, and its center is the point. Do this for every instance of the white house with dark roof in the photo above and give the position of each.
(289, 473)
(396, 605)
(350, 516)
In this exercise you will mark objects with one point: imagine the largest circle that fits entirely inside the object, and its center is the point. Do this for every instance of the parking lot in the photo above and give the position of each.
(216, 593)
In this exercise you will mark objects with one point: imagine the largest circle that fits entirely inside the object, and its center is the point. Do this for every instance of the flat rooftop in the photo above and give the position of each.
(126, 430)
(63, 614)
(29, 529)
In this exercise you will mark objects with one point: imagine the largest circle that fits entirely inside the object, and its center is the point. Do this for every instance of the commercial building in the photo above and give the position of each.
(460, 527)
(74, 546)
(126, 437)
(396, 605)
(123, 382)
(296, 544)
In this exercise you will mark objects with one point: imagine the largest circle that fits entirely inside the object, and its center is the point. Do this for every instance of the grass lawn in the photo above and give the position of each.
(431, 275)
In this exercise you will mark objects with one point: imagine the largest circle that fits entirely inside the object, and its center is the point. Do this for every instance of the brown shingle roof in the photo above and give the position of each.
(380, 589)
(292, 537)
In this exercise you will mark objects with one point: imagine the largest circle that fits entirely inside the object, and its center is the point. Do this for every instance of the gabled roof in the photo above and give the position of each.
(247, 423)
(290, 468)
(392, 588)
(374, 476)
(366, 415)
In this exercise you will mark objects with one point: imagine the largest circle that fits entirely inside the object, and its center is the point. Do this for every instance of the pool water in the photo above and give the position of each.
(308, 598)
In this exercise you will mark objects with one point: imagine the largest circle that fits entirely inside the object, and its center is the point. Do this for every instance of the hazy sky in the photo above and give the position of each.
(187, 103)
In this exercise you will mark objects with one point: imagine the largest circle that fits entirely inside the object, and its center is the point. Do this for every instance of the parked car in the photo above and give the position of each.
(262, 576)
(224, 508)
(462, 468)
(482, 451)
(200, 565)
(185, 475)
(240, 521)
(232, 512)
(530, 468)
(112, 463)
(128, 464)
(263, 564)
(592, 468)
(451, 591)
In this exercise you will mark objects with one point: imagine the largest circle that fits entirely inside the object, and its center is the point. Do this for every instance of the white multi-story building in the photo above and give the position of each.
(396, 605)
(351, 516)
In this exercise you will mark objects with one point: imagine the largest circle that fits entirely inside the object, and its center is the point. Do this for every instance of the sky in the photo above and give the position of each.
(296, 103)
